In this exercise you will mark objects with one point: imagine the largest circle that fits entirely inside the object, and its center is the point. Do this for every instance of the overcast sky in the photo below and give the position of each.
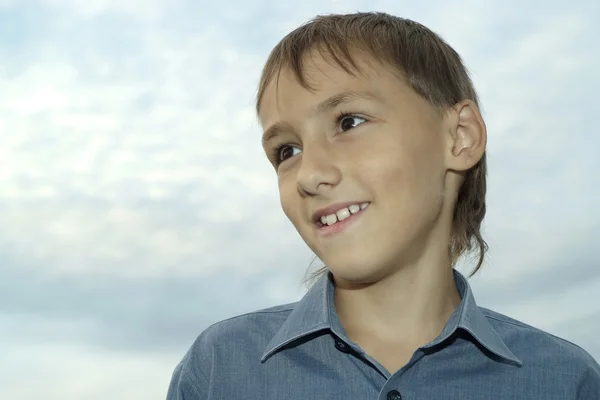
(137, 208)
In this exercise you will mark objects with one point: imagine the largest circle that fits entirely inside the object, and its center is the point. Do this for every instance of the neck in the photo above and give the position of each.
(409, 307)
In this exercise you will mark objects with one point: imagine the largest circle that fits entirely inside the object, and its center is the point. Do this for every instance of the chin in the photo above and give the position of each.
(355, 270)
(366, 264)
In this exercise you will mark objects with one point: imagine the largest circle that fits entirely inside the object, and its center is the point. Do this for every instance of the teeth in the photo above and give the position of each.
(331, 219)
(342, 214)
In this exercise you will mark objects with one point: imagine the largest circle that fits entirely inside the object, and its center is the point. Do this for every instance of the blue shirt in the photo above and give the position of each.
(300, 351)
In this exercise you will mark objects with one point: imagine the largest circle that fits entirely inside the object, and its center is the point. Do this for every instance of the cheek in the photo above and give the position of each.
(407, 175)
(388, 165)
(288, 200)
(292, 207)
(416, 159)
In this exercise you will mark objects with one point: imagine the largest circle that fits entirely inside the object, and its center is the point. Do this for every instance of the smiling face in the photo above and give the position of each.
(354, 140)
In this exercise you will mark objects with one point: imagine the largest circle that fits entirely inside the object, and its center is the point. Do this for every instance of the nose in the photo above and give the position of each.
(318, 170)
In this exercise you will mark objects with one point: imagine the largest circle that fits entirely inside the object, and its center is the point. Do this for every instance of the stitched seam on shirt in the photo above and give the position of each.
(256, 313)
(510, 322)
(248, 314)
(192, 381)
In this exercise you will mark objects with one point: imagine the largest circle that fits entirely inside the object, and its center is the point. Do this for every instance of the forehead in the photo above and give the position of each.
(324, 78)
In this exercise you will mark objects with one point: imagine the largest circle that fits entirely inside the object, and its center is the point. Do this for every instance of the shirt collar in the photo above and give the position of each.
(316, 312)
(470, 318)
(310, 314)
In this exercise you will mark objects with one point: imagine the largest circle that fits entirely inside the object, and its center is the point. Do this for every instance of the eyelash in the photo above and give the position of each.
(340, 116)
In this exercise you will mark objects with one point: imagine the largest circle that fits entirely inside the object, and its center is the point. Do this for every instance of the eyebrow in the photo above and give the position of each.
(323, 107)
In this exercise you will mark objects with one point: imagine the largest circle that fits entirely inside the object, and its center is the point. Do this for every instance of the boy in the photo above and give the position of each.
(373, 127)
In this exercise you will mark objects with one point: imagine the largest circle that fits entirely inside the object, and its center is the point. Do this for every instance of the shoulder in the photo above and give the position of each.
(268, 321)
(540, 349)
(530, 340)
(249, 333)
(233, 345)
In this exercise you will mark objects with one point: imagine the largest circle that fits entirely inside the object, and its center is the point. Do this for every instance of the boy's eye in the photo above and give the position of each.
(284, 152)
(349, 121)
(345, 122)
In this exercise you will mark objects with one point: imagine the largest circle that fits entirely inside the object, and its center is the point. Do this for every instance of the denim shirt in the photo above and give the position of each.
(300, 351)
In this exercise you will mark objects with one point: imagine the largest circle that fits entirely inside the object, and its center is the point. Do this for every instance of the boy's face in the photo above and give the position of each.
(387, 149)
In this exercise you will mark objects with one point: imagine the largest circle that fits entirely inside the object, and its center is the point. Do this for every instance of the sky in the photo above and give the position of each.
(137, 206)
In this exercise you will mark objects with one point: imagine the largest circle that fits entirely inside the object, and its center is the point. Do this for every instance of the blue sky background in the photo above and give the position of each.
(137, 207)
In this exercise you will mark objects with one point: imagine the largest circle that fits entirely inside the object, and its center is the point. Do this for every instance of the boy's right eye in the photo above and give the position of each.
(283, 152)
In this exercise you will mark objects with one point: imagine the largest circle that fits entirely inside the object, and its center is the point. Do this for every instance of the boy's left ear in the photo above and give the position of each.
(467, 137)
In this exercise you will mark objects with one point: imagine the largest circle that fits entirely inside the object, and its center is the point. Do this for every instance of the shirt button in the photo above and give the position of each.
(394, 395)
(342, 346)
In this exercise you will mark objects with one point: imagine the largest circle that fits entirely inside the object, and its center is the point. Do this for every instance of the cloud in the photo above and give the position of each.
(106, 152)
(40, 366)
(152, 10)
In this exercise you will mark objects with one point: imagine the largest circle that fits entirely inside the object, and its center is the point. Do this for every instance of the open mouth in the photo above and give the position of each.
(341, 215)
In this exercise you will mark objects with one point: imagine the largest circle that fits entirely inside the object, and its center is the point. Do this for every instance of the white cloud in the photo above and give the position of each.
(149, 10)
(78, 372)
(68, 140)
(565, 306)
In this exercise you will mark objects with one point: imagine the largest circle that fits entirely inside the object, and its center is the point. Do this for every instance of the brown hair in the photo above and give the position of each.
(424, 60)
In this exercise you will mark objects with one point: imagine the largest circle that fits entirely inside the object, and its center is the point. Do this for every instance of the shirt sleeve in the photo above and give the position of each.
(185, 386)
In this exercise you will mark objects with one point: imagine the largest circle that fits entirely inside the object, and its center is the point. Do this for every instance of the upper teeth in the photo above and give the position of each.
(342, 214)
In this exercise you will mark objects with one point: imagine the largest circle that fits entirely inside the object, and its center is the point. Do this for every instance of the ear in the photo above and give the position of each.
(467, 136)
